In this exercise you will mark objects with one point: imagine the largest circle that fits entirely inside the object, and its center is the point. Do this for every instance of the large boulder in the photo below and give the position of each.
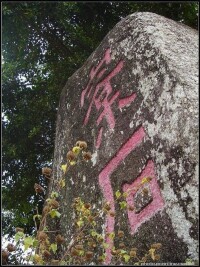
(135, 102)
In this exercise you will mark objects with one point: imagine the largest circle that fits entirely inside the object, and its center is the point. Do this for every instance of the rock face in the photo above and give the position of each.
(135, 102)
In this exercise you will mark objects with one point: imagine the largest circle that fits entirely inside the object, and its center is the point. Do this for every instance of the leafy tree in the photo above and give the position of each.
(43, 44)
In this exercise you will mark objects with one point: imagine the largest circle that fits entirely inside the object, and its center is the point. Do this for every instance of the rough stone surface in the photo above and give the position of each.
(142, 198)
(135, 102)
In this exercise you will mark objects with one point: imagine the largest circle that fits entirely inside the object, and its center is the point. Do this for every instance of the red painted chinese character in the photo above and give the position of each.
(100, 94)
(105, 183)
(136, 219)
(103, 97)
(154, 206)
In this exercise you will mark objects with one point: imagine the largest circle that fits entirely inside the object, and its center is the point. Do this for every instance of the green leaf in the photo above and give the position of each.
(64, 168)
(94, 223)
(117, 194)
(105, 245)
(100, 237)
(112, 235)
(123, 204)
(18, 236)
(28, 242)
(80, 252)
(54, 213)
(35, 243)
(126, 257)
(123, 252)
(76, 150)
(54, 194)
(125, 194)
(72, 163)
(152, 253)
(53, 247)
(80, 223)
(93, 233)
(146, 180)
(103, 257)
(38, 259)
(62, 183)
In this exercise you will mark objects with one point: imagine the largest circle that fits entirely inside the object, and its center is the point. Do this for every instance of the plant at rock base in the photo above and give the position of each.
(87, 245)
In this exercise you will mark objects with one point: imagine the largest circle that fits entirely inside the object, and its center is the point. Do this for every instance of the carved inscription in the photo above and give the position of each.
(101, 96)
(99, 91)
(138, 216)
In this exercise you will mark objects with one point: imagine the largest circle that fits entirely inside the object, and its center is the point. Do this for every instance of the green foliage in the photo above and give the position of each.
(53, 247)
(123, 204)
(44, 43)
(54, 213)
(117, 194)
(18, 236)
(85, 244)
(54, 194)
(126, 257)
(28, 242)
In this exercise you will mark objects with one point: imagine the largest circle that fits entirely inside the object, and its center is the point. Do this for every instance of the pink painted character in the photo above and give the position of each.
(105, 182)
(157, 203)
(101, 94)
(135, 219)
